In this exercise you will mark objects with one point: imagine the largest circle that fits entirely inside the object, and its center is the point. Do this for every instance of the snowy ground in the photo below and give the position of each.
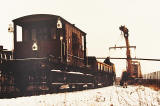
(108, 96)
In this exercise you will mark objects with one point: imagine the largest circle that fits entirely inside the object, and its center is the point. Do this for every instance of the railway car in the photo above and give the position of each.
(152, 78)
(49, 52)
(104, 72)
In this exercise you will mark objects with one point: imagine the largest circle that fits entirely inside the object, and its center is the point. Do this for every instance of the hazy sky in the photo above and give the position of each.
(100, 19)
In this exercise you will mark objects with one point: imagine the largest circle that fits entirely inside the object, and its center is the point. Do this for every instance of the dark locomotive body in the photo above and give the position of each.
(49, 52)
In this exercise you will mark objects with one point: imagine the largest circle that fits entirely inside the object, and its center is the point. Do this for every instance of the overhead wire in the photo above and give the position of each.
(148, 59)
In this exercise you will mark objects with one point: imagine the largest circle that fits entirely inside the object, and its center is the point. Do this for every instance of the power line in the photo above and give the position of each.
(129, 58)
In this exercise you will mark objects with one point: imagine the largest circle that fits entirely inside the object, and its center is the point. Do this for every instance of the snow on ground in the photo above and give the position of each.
(108, 96)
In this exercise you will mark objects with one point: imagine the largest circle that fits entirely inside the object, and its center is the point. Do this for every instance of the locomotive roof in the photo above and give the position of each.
(40, 17)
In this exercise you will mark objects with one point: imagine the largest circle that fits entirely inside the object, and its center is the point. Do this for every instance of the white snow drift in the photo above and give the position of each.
(108, 96)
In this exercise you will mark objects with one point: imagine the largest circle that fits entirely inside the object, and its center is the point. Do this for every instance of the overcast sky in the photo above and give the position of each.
(100, 19)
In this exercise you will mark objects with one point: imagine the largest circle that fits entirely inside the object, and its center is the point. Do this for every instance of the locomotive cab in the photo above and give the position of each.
(41, 35)
(36, 36)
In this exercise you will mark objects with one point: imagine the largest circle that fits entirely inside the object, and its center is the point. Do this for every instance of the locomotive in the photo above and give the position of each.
(49, 52)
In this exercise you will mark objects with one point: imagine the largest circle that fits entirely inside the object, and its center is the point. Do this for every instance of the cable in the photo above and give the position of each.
(130, 58)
